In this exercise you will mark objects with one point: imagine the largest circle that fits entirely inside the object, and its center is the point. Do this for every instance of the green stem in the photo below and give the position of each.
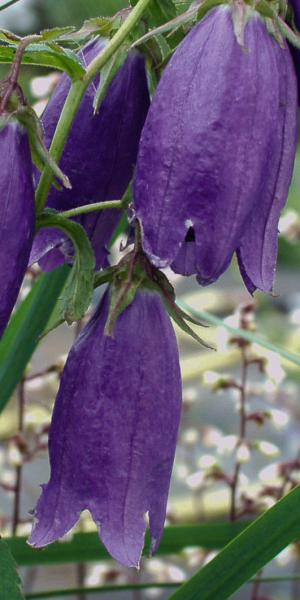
(87, 208)
(117, 40)
(64, 124)
(75, 97)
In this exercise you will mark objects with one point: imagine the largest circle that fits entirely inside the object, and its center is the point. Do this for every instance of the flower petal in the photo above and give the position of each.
(17, 210)
(257, 253)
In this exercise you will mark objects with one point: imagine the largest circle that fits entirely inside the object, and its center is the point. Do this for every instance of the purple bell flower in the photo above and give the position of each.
(114, 429)
(17, 214)
(216, 161)
(99, 156)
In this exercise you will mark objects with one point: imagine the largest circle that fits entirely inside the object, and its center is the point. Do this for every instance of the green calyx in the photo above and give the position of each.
(135, 272)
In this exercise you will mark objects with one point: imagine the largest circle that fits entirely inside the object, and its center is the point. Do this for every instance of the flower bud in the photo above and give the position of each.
(114, 430)
(99, 156)
(17, 221)
(217, 152)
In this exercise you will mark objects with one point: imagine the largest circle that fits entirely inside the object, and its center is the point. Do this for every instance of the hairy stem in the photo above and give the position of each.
(75, 97)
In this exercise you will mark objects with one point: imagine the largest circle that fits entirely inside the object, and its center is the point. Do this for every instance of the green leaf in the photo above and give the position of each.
(26, 325)
(9, 579)
(79, 287)
(46, 55)
(56, 33)
(242, 333)
(247, 553)
(87, 546)
(159, 11)
(162, 11)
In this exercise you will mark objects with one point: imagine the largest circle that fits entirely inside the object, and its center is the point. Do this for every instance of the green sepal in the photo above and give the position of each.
(159, 51)
(40, 154)
(126, 282)
(161, 283)
(171, 26)
(78, 291)
(108, 73)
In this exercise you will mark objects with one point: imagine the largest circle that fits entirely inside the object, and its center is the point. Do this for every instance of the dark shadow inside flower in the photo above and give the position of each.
(185, 262)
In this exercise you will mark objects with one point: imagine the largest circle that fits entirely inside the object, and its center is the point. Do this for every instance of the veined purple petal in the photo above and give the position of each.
(101, 150)
(47, 247)
(204, 157)
(257, 253)
(114, 430)
(17, 215)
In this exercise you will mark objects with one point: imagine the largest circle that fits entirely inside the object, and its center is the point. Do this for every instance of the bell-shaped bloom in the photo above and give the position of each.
(17, 214)
(217, 153)
(114, 429)
(99, 156)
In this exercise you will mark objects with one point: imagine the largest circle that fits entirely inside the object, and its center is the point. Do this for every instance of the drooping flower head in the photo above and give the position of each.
(217, 152)
(114, 429)
(99, 156)
(17, 214)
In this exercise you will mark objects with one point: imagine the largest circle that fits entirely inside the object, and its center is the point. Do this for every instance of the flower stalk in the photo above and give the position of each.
(88, 208)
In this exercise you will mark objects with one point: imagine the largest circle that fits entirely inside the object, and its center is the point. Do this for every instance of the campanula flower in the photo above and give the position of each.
(217, 152)
(114, 429)
(99, 156)
(17, 214)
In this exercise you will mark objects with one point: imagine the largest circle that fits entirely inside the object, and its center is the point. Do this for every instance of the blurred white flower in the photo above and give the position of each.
(206, 461)
(267, 448)
(195, 480)
(176, 574)
(280, 418)
(269, 475)
(243, 454)
(190, 436)
(181, 471)
(190, 394)
(14, 456)
(227, 444)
